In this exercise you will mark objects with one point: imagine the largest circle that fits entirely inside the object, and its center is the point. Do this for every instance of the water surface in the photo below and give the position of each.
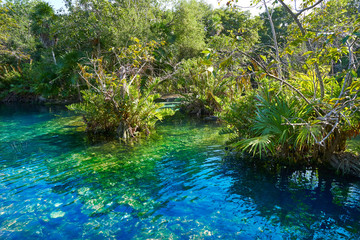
(57, 184)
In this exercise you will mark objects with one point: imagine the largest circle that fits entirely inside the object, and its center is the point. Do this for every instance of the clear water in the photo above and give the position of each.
(56, 184)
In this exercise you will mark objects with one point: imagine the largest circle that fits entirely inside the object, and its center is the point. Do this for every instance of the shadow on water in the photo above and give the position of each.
(56, 184)
(310, 203)
(90, 183)
(31, 131)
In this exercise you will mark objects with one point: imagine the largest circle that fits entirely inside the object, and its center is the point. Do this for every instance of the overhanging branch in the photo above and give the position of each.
(308, 8)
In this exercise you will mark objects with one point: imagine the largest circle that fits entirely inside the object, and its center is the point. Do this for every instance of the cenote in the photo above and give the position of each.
(178, 184)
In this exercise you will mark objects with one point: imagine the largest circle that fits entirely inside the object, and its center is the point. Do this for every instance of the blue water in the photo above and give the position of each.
(56, 183)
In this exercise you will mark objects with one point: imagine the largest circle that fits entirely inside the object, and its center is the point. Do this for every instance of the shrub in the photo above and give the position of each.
(121, 102)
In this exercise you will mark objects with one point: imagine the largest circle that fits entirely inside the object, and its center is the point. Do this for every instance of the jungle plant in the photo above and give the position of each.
(120, 100)
(283, 125)
(271, 124)
(310, 113)
(277, 126)
(208, 84)
(60, 81)
(188, 29)
(239, 117)
(6, 23)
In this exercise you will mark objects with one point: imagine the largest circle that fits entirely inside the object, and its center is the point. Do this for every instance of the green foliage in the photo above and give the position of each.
(136, 114)
(302, 101)
(42, 16)
(257, 145)
(94, 25)
(189, 29)
(313, 110)
(10, 81)
(239, 115)
(276, 127)
(279, 124)
(281, 21)
(207, 85)
(18, 42)
(119, 102)
(6, 23)
(230, 29)
(16, 81)
(222, 24)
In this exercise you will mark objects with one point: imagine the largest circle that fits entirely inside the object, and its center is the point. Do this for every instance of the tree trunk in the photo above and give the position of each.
(53, 55)
(276, 46)
(308, 45)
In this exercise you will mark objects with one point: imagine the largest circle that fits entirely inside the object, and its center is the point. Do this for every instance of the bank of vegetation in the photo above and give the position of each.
(284, 82)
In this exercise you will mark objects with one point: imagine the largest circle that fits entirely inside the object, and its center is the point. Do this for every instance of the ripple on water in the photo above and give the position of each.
(55, 184)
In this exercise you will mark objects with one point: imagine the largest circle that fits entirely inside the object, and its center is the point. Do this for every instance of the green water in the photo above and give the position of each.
(55, 183)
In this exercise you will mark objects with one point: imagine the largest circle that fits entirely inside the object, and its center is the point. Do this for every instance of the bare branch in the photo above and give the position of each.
(308, 46)
(321, 143)
(308, 8)
(281, 80)
(136, 74)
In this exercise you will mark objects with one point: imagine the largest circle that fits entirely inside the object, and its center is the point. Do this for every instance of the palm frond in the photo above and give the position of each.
(256, 145)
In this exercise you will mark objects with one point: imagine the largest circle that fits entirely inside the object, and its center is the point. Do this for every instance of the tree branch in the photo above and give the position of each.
(308, 46)
(282, 81)
(308, 8)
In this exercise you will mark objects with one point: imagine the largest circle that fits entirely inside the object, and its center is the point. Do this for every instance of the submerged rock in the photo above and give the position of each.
(57, 214)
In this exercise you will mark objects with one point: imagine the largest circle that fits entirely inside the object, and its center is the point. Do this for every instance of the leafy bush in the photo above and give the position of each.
(272, 123)
(239, 116)
(15, 80)
(121, 102)
(57, 81)
(284, 126)
(207, 85)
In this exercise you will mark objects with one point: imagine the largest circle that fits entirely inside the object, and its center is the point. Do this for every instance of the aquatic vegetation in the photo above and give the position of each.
(283, 126)
(175, 184)
(290, 99)
(121, 102)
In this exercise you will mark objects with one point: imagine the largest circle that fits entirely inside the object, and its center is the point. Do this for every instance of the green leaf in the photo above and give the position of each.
(226, 63)
(353, 73)
(296, 42)
(214, 74)
(345, 39)
(207, 62)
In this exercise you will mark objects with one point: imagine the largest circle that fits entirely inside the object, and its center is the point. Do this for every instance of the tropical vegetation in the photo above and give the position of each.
(285, 82)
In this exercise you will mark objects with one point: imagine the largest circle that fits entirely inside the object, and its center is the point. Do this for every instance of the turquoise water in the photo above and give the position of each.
(55, 183)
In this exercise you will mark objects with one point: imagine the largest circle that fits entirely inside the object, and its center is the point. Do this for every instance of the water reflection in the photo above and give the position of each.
(55, 184)
(309, 204)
